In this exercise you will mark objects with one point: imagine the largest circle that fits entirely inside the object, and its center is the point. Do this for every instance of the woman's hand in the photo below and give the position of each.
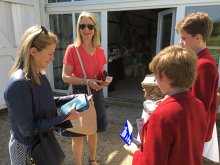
(74, 114)
(94, 84)
(132, 148)
(104, 84)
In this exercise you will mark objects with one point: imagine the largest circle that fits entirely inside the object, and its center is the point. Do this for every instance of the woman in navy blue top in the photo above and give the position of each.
(29, 96)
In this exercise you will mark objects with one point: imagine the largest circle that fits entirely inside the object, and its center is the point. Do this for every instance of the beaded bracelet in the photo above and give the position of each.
(82, 80)
(87, 82)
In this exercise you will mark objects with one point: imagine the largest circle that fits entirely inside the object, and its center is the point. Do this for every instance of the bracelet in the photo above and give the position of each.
(82, 80)
(87, 83)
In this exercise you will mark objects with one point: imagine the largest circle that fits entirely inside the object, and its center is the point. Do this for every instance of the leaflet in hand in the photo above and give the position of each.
(81, 101)
(126, 133)
(108, 79)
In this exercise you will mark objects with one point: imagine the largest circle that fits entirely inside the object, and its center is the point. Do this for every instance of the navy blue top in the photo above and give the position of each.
(30, 106)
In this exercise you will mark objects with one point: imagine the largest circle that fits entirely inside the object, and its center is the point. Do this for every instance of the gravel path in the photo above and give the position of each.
(110, 149)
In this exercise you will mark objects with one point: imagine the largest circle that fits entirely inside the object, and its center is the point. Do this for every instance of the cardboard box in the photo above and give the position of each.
(151, 89)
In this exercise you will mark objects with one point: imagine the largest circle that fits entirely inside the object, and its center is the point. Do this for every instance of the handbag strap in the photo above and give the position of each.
(84, 72)
(80, 61)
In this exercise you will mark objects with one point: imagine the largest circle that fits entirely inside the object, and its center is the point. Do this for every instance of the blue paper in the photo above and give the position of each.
(126, 133)
(81, 102)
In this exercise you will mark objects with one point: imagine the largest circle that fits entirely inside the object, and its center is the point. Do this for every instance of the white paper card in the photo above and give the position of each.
(149, 107)
(140, 123)
(211, 150)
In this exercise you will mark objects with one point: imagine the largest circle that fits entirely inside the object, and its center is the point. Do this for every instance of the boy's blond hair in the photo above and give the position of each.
(196, 23)
(177, 63)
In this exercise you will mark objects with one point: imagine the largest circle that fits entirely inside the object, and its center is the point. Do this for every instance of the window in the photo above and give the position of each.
(61, 25)
(54, 1)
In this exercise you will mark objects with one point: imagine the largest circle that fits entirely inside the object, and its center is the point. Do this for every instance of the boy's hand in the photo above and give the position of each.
(132, 148)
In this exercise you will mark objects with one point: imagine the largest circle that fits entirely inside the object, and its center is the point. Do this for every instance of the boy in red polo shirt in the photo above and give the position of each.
(175, 131)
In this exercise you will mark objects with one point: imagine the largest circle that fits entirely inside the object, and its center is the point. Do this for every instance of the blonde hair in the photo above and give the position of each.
(177, 63)
(96, 37)
(196, 23)
(35, 36)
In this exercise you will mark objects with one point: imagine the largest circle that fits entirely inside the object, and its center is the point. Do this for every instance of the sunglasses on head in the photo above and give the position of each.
(43, 29)
(89, 26)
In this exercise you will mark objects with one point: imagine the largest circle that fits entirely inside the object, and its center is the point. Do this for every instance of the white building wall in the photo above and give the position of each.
(16, 16)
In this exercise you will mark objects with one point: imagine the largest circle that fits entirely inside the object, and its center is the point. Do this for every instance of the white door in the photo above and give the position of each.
(15, 18)
(165, 28)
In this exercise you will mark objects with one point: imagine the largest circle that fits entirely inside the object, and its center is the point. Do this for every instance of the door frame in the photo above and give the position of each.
(160, 27)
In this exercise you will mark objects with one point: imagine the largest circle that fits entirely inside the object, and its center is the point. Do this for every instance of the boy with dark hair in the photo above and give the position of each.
(194, 30)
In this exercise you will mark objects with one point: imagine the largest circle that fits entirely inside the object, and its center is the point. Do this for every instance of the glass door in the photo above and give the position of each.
(165, 28)
(62, 26)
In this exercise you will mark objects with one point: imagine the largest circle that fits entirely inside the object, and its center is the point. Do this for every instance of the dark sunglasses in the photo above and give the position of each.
(89, 26)
(43, 29)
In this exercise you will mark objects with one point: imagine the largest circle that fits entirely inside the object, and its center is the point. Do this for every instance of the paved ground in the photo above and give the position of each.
(110, 146)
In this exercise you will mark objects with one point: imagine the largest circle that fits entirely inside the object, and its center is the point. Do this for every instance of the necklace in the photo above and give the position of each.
(93, 64)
